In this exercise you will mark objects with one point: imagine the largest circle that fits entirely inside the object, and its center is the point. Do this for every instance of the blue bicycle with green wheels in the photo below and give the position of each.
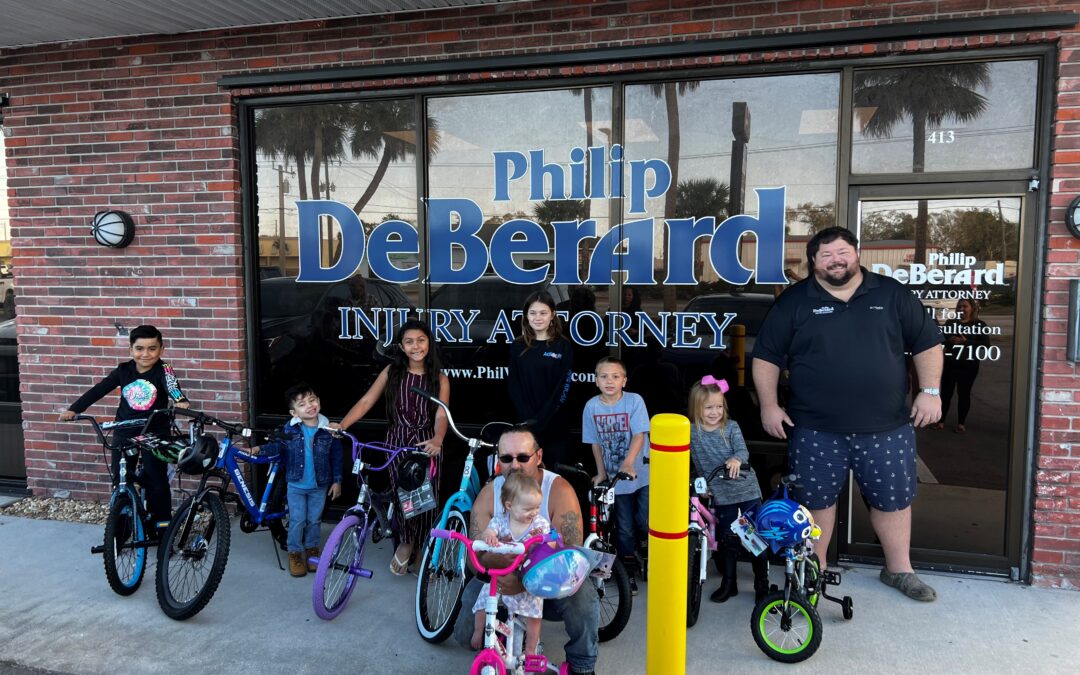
(785, 623)
(443, 571)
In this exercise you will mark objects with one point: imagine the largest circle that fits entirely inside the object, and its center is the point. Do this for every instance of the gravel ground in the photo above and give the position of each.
(47, 508)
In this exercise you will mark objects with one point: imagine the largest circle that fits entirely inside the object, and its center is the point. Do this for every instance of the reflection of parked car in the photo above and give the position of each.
(7, 290)
(749, 309)
(487, 362)
(9, 363)
(490, 294)
(300, 325)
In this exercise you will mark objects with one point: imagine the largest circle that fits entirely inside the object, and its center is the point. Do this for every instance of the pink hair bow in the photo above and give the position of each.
(709, 379)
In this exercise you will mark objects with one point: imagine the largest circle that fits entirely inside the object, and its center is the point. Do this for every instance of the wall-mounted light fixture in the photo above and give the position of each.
(115, 229)
(1072, 217)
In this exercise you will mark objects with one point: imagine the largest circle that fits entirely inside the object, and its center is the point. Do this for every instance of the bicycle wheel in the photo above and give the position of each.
(788, 632)
(616, 601)
(439, 583)
(192, 556)
(694, 547)
(335, 578)
(125, 563)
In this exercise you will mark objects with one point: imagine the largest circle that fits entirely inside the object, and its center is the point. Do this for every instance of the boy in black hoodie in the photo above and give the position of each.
(146, 384)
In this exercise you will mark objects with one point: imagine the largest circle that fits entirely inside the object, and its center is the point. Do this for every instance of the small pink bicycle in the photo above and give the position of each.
(504, 640)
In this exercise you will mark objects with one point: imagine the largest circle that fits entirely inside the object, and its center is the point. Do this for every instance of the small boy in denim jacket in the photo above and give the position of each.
(312, 459)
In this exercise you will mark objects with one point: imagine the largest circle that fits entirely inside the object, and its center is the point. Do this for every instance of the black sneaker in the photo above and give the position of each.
(633, 586)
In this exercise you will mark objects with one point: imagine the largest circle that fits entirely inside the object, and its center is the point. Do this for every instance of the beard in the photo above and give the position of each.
(849, 273)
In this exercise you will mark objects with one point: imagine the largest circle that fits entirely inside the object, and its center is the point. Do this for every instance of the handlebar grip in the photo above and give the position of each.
(420, 392)
(441, 534)
(622, 475)
(187, 412)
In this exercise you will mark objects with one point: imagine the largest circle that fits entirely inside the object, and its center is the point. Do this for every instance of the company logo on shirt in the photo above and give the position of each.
(553, 355)
(877, 307)
(824, 310)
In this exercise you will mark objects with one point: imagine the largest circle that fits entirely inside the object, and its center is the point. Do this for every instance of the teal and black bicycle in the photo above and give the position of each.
(443, 571)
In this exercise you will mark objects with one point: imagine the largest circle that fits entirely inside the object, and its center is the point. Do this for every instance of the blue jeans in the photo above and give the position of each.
(305, 517)
(580, 614)
(631, 519)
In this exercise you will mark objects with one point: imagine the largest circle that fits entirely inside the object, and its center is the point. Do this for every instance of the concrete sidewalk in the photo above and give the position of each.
(57, 613)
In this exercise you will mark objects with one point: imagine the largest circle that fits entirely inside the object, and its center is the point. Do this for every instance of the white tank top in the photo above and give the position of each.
(545, 490)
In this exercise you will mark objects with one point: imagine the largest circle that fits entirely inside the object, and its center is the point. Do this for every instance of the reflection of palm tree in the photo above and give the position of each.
(302, 133)
(700, 198)
(372, 124)
(927, 95)
(551, 210)
(670, 91)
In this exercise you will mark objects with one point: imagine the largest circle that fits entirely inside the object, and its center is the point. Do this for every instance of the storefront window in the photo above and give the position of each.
(726, 141)
(952, 117)
(515, 158)
(362, 155)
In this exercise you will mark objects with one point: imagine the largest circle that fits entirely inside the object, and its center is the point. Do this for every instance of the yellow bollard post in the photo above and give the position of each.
(669, 509)
(738, 348)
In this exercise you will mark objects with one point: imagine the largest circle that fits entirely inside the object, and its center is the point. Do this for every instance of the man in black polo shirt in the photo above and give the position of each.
(842, 333)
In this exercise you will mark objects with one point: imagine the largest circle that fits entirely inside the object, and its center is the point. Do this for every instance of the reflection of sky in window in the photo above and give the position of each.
(1002, 137)
(477, 126)
(783, 149)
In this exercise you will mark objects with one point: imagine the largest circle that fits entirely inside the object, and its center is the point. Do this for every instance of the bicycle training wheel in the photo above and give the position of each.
(440, 583)
(335, 578)
(125, 563)
(616, 601)
(192, 556)
(694, 583)
(788, 632)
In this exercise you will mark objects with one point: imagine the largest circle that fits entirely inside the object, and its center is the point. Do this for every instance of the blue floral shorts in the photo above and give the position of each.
(883, 463)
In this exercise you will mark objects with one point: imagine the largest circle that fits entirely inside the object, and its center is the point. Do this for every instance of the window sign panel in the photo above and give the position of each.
(511, 167)
(960, 256)
(752, 166)
(951, 117)
(328, 177)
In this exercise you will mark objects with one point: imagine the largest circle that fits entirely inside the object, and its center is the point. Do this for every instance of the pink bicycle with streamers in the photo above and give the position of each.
(503, 650)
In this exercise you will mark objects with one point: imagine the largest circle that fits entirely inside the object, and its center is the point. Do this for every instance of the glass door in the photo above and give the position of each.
(964, 251)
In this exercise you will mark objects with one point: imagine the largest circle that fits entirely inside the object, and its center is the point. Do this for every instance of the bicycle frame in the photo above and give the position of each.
(363, 498)
(228, 453)
(511, 657)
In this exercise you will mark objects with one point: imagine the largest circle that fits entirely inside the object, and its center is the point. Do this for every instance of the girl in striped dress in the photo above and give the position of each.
(414, 422)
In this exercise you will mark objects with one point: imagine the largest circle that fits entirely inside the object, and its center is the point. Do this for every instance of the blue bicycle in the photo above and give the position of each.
(195, 548)
(443, 571)
(128, 527)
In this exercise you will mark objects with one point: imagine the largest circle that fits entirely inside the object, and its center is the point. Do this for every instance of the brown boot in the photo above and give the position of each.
(297, 568)
(310, 553)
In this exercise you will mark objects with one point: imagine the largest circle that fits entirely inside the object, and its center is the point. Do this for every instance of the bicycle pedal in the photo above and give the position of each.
(536, 663)
(830, 577)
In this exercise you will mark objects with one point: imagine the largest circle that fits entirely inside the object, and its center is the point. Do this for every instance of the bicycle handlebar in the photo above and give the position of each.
(723, 467)
(101, 427)
(603, 485)
(518, 550)
(473, 442)
(358, 446)
(203, 418)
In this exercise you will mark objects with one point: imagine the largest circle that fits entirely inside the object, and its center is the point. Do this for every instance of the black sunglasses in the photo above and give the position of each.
(522, 458)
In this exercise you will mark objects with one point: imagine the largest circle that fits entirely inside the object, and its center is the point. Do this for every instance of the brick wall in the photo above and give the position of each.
(141, 124)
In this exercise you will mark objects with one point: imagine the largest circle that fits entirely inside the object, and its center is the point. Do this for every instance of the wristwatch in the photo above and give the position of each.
(933, 391)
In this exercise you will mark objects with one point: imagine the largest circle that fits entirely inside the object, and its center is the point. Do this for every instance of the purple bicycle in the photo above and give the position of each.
(341, 562)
